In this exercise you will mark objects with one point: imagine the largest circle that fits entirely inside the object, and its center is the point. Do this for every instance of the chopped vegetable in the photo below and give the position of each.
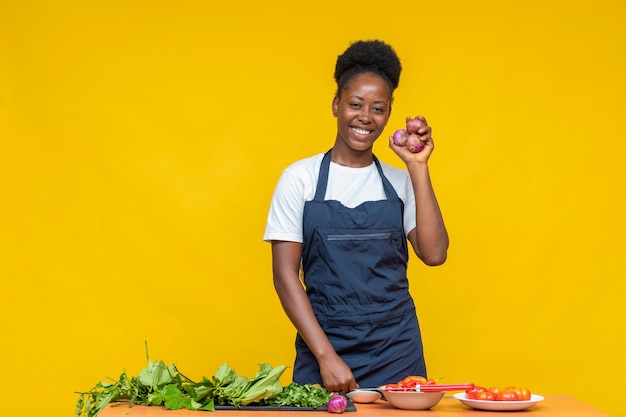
(296, 395)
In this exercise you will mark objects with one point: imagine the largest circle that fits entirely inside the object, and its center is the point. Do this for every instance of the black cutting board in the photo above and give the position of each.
(349, 407)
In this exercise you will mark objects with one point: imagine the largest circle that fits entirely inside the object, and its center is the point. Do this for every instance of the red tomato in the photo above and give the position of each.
(517, 391)
(495, 390)
(508, 394)
(525, 394)
(486, 396)
(430, 381)
(471, 393)
(391, 386)
(413, 380)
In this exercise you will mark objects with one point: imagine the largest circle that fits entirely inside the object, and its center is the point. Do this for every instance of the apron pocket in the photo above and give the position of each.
(364, 236)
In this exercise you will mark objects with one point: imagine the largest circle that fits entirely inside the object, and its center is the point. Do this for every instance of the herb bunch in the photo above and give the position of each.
(296, 395)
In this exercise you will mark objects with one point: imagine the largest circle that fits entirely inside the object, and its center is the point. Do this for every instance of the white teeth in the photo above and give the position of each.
(361, 131)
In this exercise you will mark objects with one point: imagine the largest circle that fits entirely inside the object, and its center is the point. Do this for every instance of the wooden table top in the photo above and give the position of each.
(556, 405)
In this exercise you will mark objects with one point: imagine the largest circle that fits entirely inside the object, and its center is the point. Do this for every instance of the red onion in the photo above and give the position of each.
(400, 137)
(414, 124)
(414, 143)
(337, 404)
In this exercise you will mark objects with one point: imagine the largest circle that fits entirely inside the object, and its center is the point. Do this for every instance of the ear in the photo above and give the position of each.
(335, 106)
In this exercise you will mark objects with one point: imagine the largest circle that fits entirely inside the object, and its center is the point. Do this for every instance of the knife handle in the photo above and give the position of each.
(443, 387)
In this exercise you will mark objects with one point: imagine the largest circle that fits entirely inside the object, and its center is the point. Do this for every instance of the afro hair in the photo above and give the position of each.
(373, 56)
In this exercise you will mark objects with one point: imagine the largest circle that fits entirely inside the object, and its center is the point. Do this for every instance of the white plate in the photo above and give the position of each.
(363, 396)
(498, 405)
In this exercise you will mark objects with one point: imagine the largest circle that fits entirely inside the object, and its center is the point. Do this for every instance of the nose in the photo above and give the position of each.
(365, 115)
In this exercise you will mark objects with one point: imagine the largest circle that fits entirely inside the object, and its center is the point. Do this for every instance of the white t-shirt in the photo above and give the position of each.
(350, 186)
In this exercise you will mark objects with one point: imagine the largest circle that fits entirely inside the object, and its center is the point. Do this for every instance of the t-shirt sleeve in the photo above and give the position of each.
(409, 207)
(284, 221)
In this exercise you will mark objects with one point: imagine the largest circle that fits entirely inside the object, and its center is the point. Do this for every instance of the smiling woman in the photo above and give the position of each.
(345, 217)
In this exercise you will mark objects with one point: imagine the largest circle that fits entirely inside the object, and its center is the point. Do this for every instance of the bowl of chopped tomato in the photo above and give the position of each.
(411, 399)
(405, 394)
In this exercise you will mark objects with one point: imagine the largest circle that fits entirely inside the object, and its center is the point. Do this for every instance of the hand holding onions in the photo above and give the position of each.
(414, 138)
(411, 141)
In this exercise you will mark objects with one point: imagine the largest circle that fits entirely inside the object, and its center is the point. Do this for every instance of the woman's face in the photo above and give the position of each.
(362, 111)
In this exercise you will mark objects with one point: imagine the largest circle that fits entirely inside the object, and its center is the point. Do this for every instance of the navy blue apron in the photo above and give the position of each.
(355, 263)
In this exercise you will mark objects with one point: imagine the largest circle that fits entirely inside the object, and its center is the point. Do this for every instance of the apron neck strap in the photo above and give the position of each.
(322, 179)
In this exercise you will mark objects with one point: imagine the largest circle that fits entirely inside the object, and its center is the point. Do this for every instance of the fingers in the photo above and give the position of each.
(418, 125)
(425, 131)
(344, 386)
(337, 376)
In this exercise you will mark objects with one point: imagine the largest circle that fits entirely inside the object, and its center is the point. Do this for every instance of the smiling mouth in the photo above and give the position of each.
(360, 131)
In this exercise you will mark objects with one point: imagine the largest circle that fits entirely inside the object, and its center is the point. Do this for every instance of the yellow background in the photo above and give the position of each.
(140, 142)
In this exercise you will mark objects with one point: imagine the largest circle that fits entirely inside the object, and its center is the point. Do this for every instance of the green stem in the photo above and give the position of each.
(147, 356)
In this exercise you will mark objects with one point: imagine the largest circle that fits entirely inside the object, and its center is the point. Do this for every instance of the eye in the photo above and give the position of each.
(380, 109)
(355, 105)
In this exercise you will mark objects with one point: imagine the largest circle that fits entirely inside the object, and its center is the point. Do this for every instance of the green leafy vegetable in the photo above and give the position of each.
(159, 384)
(233, 389)
(157, 374)
(295, 395)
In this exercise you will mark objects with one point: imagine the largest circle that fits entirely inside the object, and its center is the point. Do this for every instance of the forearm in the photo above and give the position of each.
(298, 308)
(294, 300)
(335, 374)
(430, 237)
